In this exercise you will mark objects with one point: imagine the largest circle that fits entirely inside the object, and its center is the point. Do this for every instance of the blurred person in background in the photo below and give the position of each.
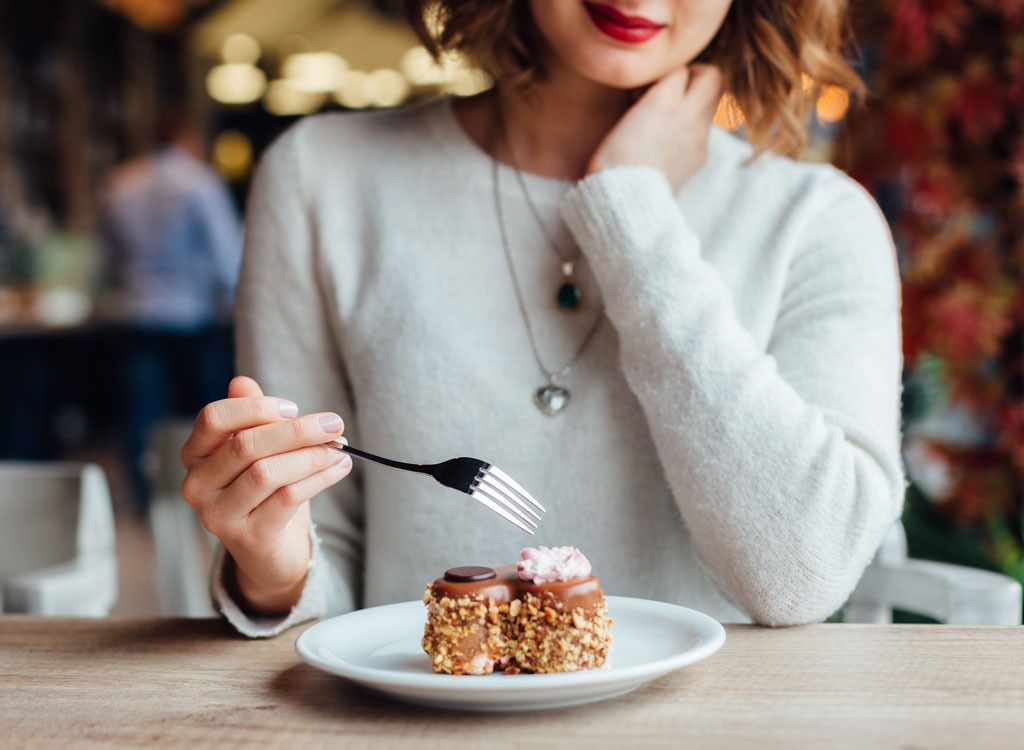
(172, 240)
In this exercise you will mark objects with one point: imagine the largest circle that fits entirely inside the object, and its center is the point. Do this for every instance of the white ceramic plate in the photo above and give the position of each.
(380, 648)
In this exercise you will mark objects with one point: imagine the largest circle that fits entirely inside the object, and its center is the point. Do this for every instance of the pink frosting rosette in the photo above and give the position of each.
(547, 564)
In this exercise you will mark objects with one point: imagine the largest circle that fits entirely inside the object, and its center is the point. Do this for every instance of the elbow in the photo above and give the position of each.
(817, 579)
(813, 584)
(797, 559)
(795, 607)
(810, 587)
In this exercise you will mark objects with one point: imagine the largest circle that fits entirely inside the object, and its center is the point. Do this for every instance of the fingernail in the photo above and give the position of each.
(345, 460)
(288, 409)
(341, 439)
(330, 423)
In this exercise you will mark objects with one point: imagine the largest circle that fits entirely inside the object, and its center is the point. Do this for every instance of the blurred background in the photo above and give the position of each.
(115, 315)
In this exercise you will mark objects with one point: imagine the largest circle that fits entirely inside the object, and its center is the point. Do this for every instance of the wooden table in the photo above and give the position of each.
(194, 684)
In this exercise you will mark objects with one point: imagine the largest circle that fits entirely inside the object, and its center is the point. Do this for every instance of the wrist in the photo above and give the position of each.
(260, 598)
(257, 600)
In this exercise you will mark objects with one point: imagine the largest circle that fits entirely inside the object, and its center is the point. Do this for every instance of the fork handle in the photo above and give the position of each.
(418, 468)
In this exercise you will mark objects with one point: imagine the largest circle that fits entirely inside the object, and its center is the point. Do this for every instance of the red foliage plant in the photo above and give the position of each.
(942, 133)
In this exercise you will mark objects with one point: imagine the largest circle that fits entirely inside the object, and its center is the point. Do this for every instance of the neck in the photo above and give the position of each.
(553, 130)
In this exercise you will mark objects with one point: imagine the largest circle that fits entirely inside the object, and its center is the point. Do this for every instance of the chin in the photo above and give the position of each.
(598, 62)
(622, 74)
(625, 80)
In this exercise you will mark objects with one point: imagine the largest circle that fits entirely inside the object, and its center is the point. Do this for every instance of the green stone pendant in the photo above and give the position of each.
(569, 296)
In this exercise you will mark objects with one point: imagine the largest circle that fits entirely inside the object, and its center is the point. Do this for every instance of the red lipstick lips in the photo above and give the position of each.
(619, 26)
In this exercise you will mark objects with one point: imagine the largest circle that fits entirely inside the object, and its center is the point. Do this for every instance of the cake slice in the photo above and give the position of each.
(547, 613)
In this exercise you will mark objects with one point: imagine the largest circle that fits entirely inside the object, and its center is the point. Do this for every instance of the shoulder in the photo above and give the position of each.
(126, 179)
(784, 195)
(357, 134)
(779, 182)
(342, 151)
(191, 175)
(812, 213)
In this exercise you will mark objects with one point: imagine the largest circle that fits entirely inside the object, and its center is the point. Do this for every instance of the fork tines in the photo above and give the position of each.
(502, 494)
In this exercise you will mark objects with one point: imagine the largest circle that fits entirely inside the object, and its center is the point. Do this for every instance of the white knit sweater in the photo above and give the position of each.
(732, 442)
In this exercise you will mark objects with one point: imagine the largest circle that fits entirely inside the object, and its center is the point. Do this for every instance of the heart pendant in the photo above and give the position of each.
(551, 399)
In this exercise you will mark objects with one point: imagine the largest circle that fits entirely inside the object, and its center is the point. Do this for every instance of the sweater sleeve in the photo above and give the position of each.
(285, 341)
(784, 462)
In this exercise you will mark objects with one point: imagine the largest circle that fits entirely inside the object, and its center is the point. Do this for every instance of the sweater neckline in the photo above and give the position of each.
(477, 167)
(477, 163)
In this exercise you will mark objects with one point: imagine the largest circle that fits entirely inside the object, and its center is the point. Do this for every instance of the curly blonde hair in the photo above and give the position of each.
(776, 55)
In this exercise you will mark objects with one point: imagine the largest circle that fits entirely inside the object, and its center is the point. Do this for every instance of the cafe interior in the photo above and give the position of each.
(96, 410)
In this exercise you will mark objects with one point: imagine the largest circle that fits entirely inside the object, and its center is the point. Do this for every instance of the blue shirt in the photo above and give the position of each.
(173, 241)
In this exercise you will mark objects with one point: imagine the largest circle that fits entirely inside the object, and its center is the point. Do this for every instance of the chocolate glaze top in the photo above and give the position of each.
(506, 586)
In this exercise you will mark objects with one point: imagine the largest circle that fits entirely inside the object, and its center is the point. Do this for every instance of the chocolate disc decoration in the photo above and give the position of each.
(469, 573)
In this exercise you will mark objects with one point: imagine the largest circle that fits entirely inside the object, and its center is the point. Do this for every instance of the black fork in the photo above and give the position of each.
(481, 480)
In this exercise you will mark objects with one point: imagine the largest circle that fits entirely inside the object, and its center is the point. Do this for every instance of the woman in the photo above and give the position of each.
(710, 409)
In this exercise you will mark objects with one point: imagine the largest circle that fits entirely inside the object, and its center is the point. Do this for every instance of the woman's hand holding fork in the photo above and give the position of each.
(253, 465)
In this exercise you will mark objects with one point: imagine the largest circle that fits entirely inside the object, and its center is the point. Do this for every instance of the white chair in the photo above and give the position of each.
(183, 549)
(57, 551)
(953, 594)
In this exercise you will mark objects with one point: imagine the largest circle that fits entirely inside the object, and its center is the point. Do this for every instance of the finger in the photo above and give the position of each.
(277, 510)
(243, 386)
(217, 422)
(243, 449)
(265, 478)
(706, 83)
(667, 89)
(239, 387)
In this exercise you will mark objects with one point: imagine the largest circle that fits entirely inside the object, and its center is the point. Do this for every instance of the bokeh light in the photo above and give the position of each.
(314, 72)
(240, 48)
(729, 115)
(232, 154)
(832, 104)
(283, 98)
(236, 83)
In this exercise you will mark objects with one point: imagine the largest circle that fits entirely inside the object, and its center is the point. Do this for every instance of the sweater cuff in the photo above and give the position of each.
(624, 207)
(311, 605)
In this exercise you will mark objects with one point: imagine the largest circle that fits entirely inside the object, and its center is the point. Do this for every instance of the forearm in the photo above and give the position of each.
(285, 338)
(786, 493)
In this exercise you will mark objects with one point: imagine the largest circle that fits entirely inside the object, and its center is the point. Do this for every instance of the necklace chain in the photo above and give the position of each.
(553, 376)
(567, 264)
